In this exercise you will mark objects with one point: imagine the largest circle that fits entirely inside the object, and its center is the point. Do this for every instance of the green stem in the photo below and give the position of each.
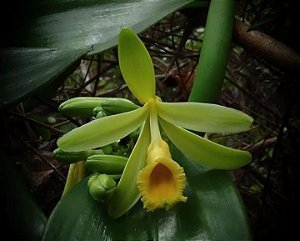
(76, 173)
(214, 53)
(69, 180)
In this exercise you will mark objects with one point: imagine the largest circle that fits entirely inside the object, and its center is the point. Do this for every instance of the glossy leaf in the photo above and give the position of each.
(102, 131)
(205, 117)
(51, 35)
(213, 211)
(24, 71)
(127, 193)
(79, 24)
(136, 65)
(205, 151)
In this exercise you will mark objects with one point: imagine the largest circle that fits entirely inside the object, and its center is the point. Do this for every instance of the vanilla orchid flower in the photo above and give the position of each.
(150, 173)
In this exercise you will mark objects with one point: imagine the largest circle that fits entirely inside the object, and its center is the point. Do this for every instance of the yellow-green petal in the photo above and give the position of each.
(136, 65)
(205, 151)
(205, 117)
(127, 193)
(103, 131)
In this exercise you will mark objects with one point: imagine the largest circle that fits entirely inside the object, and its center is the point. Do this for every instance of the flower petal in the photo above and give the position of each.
(127, 193)
(205, 117)
(204, 151)
(102, 131)
(136, 65)
(161, 184)
(162, 181)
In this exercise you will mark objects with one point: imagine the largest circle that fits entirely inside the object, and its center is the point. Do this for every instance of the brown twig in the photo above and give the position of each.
(267, 47)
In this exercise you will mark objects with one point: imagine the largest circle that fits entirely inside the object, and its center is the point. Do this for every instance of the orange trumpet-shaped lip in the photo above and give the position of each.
(161, 182)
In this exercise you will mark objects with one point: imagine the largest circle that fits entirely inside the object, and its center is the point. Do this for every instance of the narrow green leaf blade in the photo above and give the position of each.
(127, 193)
(204, 151)
(136, 65)
(205, 117)
(102, 131)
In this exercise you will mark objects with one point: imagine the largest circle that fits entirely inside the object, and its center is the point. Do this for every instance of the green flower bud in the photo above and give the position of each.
(51, 120)
(71, 157)
(118, 105)
(96, 110)
(81, 106)
(100, 114)
(109, 164)
(101, 187)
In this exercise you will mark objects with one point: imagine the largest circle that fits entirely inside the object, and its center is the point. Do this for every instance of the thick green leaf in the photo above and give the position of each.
(213, 211)
(69, 29)
(77, 24)
(24, 71)
(22, 218)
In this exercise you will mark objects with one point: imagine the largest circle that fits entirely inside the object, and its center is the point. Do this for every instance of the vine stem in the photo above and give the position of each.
(216, 45)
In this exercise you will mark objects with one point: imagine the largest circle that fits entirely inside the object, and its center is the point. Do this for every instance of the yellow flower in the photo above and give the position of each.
(162, 181)
(150, 172)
